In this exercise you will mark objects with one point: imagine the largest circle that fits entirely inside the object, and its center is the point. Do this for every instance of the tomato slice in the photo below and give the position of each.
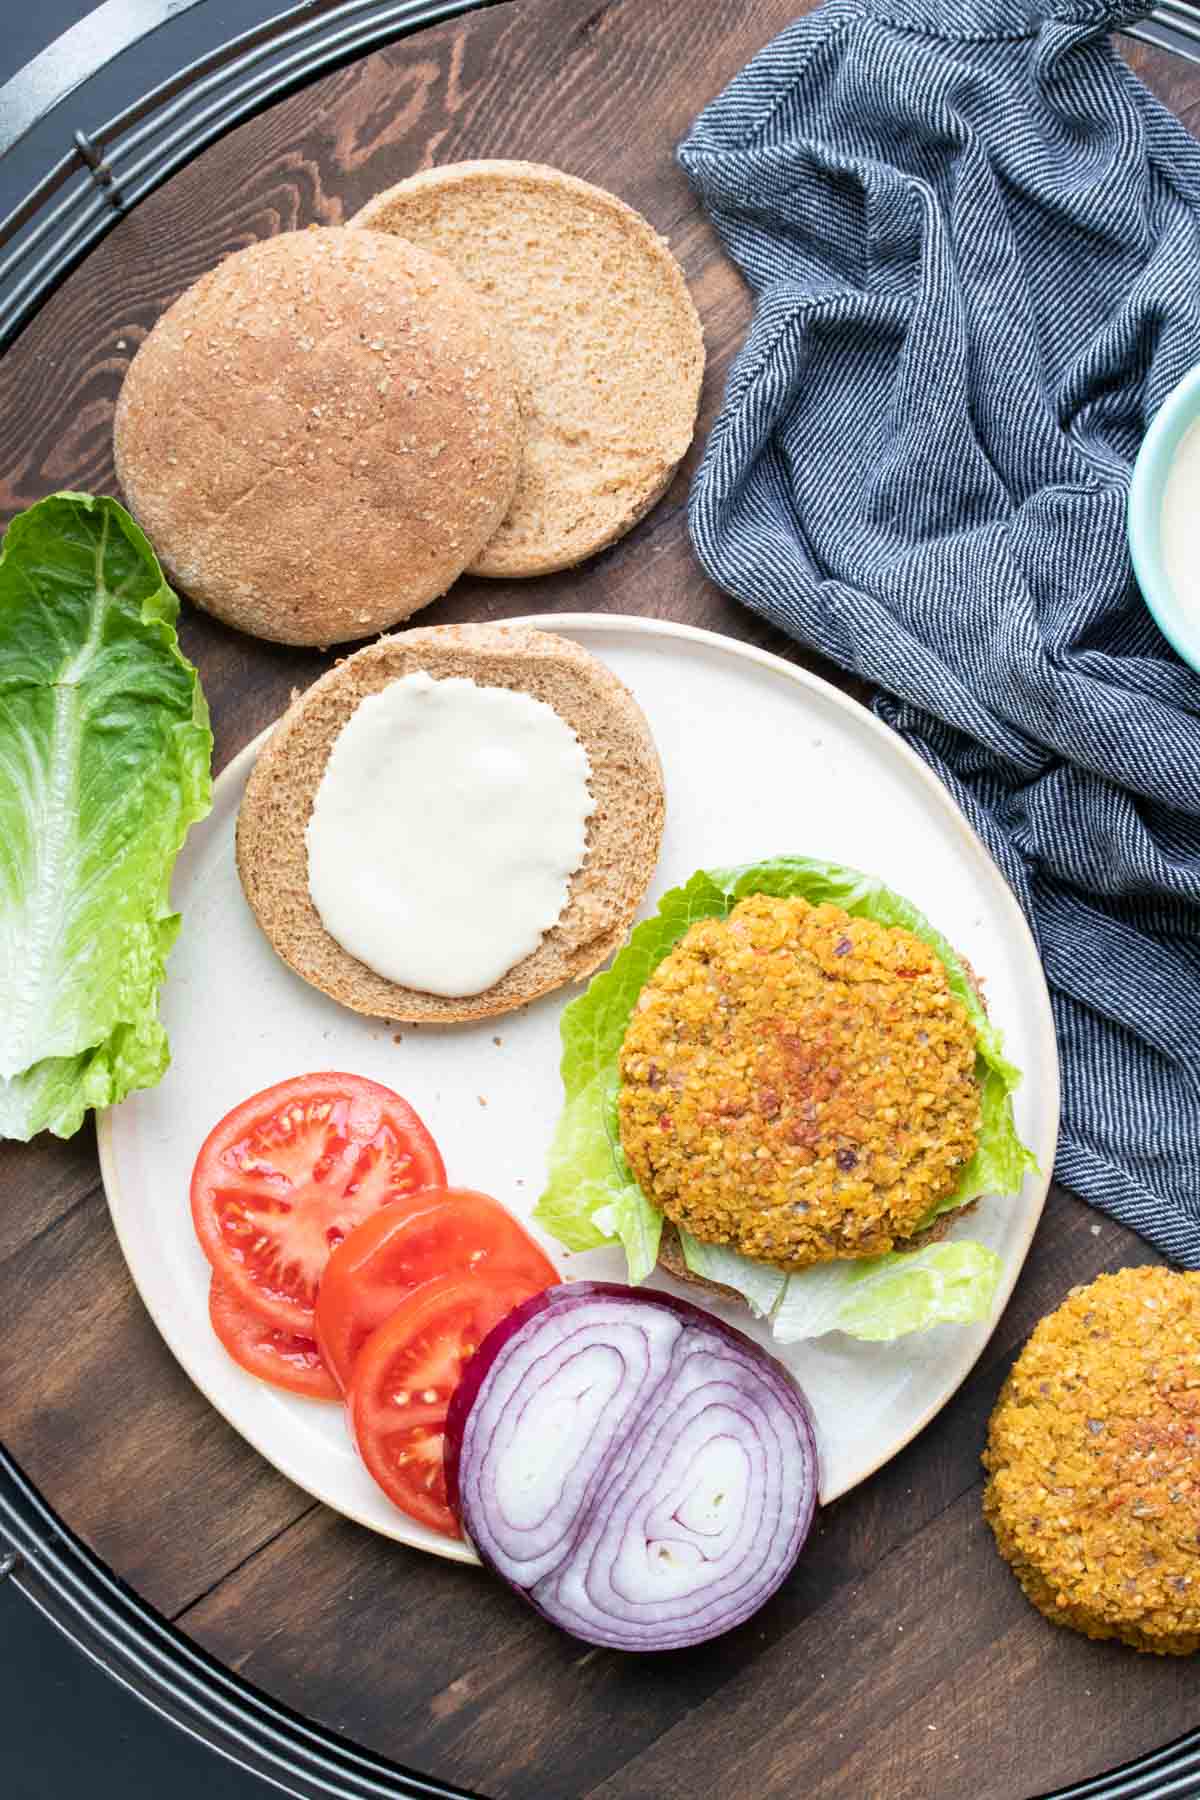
(290, 1172)
(448, 1231)
(283, 1358)
(404, 1377)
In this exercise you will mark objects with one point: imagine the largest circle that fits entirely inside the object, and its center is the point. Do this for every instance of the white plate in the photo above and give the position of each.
(760, 758)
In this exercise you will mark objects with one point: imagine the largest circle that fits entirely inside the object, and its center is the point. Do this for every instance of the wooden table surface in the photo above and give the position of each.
(901, 1661)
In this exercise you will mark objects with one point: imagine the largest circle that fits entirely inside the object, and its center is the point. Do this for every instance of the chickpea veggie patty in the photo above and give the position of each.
(1093, 1458)
(873, 1089)
(798, 1083)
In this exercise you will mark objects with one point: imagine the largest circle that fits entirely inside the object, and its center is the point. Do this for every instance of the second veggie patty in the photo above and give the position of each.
(798, 1083)
(1092, 1453)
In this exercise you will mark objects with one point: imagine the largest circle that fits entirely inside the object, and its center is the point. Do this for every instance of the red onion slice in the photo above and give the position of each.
(642, 1473)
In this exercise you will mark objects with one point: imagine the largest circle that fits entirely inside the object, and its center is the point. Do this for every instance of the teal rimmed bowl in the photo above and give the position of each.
(1179, 623)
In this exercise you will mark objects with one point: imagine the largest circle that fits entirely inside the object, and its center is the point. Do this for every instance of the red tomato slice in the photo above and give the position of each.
(290, 1172)
(450, 1231)
(283, 1358)
(404, 1377)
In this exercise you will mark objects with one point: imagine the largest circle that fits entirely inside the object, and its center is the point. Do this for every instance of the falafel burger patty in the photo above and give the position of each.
(798, 1083)
(1093, 1460)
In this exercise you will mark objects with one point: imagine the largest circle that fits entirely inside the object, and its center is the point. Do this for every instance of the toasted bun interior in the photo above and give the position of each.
(606, 337)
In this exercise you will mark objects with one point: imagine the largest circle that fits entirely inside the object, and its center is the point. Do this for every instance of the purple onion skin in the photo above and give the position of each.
(480, 1366)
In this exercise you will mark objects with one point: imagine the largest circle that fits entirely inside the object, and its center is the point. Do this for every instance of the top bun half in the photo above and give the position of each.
(320, 434)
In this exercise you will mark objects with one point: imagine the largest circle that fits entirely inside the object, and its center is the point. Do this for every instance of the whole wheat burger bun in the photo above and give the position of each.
(623, 833)
(320, 434)
(606, 337)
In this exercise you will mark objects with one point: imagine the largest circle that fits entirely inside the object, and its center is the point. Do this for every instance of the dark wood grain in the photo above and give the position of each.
(901, 1661)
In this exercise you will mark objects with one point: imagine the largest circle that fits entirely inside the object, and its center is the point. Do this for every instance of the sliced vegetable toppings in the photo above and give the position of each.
(289, 1173)
(104, 764)
(642, 1473)
(404, 1377)
(342, 1262)
(283, 1358)
(444, 1231)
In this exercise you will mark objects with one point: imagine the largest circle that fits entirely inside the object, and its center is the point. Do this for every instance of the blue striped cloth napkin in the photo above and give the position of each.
(974, 240)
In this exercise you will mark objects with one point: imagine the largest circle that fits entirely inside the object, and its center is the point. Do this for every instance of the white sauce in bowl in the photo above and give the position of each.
(445, 831)
(1181, 518)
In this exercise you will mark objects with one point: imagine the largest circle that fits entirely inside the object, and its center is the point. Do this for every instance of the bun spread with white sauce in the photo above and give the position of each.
(488, 755)
(445, 831)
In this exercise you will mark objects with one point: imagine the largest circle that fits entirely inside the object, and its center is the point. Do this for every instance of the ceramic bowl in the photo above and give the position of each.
(1179, 623)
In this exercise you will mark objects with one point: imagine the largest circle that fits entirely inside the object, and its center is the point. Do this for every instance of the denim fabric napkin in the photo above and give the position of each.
(974, 238)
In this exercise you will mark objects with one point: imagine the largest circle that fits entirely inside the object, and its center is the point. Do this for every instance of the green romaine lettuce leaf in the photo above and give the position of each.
(885, 1297)
(591, 1197)
(761, 1286)
(105, 752)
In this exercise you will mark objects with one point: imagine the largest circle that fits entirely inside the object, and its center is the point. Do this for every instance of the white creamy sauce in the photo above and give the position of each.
(1181, 518)
(445, 831)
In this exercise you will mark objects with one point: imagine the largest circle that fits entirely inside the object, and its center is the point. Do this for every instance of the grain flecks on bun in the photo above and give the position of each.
(320, 434)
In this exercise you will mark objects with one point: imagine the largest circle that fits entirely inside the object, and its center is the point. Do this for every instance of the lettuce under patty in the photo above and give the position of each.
(593, 1199)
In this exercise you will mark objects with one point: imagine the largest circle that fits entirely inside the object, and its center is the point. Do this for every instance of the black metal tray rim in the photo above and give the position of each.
(106, 174)
(110, 169)
(125, 1637)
